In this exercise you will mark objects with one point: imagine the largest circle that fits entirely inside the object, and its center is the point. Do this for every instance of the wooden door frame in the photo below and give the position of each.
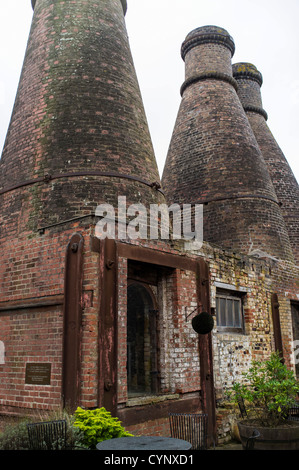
(110, 251)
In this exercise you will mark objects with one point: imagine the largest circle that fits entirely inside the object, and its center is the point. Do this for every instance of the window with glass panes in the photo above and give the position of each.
(229, 312)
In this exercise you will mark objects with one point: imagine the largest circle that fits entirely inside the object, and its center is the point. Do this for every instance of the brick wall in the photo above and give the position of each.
(257, 279)
(30, 336)
(157, 427)
(35, 334)
(32, 277)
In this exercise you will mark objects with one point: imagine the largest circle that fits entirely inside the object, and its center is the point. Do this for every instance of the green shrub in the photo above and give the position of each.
(14, 437)
(97, 425)
(15, 434)
(270, 389)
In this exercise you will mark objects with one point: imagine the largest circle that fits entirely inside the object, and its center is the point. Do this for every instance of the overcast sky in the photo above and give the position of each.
(265, 32)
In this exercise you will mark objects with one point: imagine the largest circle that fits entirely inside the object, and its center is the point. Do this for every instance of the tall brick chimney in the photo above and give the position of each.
(78, 134)
(286, 187)
(78, 137)
(214, 158)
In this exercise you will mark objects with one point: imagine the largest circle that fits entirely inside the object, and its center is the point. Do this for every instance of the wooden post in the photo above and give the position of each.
(108, 328)
(276, 325)
(72, 328)
(206, 354)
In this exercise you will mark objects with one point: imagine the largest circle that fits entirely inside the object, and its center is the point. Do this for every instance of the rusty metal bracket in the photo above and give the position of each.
(189, 315)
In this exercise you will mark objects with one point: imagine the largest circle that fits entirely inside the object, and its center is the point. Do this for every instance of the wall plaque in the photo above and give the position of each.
(38, 373)
(2, 353)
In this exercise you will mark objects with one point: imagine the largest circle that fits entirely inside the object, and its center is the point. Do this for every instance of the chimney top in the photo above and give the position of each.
(207, 34)
(247, 70)
(124, 4)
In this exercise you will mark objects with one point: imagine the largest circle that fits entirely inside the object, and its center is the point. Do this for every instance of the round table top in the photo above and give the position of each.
(144, 443)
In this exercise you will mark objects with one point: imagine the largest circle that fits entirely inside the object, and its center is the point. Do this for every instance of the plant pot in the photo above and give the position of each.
(282, 437)
(235, 432)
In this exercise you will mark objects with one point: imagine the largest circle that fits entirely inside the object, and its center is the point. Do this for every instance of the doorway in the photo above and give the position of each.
(295, 320)
(142, 361)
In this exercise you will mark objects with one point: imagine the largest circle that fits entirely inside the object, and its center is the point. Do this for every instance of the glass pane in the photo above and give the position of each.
(218, 316)
(230, 318)
(237, 306)
(222, 312)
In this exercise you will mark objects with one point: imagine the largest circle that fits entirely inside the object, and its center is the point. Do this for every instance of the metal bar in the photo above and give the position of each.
(190, 427)
(41, 230)
(47, 178)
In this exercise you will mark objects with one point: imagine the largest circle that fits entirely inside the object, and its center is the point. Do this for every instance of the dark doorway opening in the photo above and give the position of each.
(142, 361)
(295, 319)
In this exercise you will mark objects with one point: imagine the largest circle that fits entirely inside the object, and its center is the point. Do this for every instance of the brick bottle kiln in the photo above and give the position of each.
(107, 322)
(214, 157)
(78, 137)
(249, 81)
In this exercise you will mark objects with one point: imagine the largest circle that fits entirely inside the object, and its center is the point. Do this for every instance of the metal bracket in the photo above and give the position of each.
(187, 316)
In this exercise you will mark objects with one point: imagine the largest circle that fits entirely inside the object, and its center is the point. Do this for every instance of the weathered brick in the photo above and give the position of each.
(82, 111)
(286, 187)
(214, 158)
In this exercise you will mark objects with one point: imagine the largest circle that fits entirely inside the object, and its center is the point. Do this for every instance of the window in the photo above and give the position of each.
(229, 311)
(142, 364)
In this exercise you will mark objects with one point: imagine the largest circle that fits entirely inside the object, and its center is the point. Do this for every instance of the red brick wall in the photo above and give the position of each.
(32, 274)
(31, 336)
(157, 427)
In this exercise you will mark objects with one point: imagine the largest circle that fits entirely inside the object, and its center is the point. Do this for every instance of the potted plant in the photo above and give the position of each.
(268, 391)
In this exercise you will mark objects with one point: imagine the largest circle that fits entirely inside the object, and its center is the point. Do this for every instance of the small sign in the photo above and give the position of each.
(2, 353)
(38, 373)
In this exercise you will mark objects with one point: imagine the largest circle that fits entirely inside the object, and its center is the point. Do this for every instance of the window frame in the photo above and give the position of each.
(233, 296)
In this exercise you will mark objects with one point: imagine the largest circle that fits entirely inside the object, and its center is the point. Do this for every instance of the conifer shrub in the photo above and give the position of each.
(98, 425)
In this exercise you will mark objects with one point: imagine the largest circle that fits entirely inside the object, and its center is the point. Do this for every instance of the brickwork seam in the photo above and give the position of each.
(210, 75)
(241, 196)
(207, 39)
(249, 76)
(256, 109)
